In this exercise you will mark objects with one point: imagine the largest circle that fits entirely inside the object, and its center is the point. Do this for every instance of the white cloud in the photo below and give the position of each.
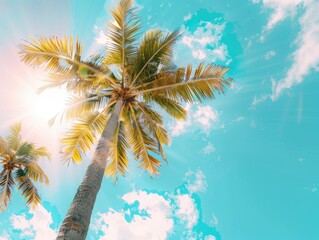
(252, 124)
(188, 17)
(156, 225)
(196, 181)
(205, 42)
(204, 118)
(101, 39)
(258, 100)
(187, 210)
(281, 10)
(37, 227)
(209, 148)
(149, 216)
(306, 56)
(269, 55)
(210, 237)
(239, 119)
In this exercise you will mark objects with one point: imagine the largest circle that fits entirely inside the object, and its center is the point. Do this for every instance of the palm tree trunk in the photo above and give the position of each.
(76, 222)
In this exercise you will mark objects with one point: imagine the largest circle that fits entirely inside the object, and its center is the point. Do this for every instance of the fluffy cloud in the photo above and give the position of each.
(156, 215)
(305, 57)
(195, 181)
(205, 42)
(37, 227)
(269, 55)
(204, 118)
(186, 210)
(209, 148)
(155, 224)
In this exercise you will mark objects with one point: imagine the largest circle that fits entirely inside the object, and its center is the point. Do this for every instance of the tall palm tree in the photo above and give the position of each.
(113, 97)
(19, 166)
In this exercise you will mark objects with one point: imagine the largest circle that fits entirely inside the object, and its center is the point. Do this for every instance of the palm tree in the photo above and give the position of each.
(113, 96)
(19, 166)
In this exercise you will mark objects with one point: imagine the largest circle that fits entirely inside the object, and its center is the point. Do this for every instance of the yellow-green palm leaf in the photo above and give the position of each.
(178, 85)
(118, 153)
(27, 188)
(81, 136)
(6, 185)
(122, 34)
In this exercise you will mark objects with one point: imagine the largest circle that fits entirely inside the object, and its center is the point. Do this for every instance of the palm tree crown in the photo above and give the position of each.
(138, 75)
(113, 96)
(19, 166)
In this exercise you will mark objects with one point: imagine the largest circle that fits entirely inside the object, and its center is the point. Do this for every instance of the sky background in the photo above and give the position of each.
(242, 167)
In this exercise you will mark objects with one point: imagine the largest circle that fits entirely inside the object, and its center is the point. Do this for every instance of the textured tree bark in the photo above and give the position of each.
(76, 222)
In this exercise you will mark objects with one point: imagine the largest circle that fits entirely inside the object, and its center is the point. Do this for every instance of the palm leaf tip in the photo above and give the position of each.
(122, 33)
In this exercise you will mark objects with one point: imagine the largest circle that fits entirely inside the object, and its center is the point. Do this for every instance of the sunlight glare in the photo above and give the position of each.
(49, 103)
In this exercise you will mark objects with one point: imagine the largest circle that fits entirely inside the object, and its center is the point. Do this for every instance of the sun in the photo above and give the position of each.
(49, 103)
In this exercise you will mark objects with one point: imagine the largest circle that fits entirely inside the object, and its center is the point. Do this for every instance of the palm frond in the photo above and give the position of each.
(122, 33)
(152, 121)
(40, 152)
(30, 151)
(141, 143)
(79, 105)
(203, 85)
(33, 170)
(28, 189)
(14, 138)
(5, 150)
(61, 58)
(118, 153)
(80, 137)
(155, 48)
(172, 107)
(6, 185)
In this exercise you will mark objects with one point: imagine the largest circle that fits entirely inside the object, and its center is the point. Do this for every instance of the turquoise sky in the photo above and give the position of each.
(242, 167)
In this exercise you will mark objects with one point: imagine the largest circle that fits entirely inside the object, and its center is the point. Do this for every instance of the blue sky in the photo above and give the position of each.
(242, 167)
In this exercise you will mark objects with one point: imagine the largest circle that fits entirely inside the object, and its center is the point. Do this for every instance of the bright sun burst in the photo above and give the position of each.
(49, 103)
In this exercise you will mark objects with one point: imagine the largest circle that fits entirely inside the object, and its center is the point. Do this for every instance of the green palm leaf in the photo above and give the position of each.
(28, 189)
(33, 170)
(79, 105)
(141, 143)
(14, 138)
(122, 33)
(62, 59)
(80, 138)
(172, 107)
(202, 86)
(6, 185)
(152, 121)
(155, 49)
(5, 151)
(118, 153)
